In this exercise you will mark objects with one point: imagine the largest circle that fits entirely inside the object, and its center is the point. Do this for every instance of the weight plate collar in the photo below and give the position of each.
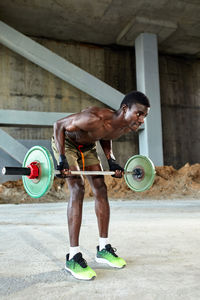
(39, 187)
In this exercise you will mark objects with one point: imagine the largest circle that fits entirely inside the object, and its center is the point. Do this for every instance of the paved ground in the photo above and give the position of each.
(160, 241)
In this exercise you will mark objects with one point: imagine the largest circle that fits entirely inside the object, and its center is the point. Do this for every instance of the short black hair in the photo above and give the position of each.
(135, 97)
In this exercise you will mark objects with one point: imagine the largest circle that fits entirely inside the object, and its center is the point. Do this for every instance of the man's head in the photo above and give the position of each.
(135, 107)
(135, 97)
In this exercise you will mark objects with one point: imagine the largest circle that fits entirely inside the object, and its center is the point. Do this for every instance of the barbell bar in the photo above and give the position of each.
(38, 172)
(27, 172)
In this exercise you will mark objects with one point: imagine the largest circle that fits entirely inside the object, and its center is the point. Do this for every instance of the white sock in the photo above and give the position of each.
(102, 243)
(73, 251)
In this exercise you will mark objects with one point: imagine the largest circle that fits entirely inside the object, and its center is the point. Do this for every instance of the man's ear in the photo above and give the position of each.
(124, 108)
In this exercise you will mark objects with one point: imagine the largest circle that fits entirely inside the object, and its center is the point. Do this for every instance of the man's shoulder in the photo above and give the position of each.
(101, 112)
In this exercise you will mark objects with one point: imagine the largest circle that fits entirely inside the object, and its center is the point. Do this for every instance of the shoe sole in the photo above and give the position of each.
(105, 261)
(78, 276)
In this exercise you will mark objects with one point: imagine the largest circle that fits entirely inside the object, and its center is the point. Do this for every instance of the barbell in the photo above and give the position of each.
(38, 172)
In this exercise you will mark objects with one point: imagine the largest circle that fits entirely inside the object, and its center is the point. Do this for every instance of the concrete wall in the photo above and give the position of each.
(25, 86)
(180, 100)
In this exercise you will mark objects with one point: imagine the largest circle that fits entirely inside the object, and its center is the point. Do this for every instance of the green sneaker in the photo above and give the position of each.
(108, 256)
(78, 267)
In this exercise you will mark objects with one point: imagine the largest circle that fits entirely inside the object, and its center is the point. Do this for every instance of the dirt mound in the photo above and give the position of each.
(169, 183)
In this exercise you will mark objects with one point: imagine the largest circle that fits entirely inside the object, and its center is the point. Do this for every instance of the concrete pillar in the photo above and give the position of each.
(147, 74)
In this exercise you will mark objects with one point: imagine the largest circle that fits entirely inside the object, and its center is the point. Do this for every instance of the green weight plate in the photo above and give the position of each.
(37, 188)
(148, 173)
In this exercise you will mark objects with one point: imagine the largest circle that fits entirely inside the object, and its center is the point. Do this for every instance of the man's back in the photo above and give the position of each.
(91, 125)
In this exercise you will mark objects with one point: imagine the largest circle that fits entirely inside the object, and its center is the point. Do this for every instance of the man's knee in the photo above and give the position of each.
(76, 187)
(99, 187)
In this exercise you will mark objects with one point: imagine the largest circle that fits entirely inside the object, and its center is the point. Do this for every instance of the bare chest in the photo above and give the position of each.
(103, 132)
(107, 133)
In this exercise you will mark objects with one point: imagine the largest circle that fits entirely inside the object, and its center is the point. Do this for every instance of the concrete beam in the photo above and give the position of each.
(60, 67)
(12, 146)
(163, 29)
(29, 118)
(147, 71)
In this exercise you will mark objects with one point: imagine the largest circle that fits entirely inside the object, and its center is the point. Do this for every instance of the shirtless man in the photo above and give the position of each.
(78, 133)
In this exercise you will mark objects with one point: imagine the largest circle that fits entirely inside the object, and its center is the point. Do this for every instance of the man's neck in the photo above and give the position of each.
(118, 118)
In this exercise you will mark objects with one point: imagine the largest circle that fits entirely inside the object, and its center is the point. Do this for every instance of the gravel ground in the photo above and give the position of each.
(160, 240)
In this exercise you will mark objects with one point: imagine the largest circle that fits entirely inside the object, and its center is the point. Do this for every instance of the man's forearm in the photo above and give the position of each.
(59, 136)
(107, 148)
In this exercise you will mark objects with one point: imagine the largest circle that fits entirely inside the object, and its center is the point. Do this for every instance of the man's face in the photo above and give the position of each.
(135, 115)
